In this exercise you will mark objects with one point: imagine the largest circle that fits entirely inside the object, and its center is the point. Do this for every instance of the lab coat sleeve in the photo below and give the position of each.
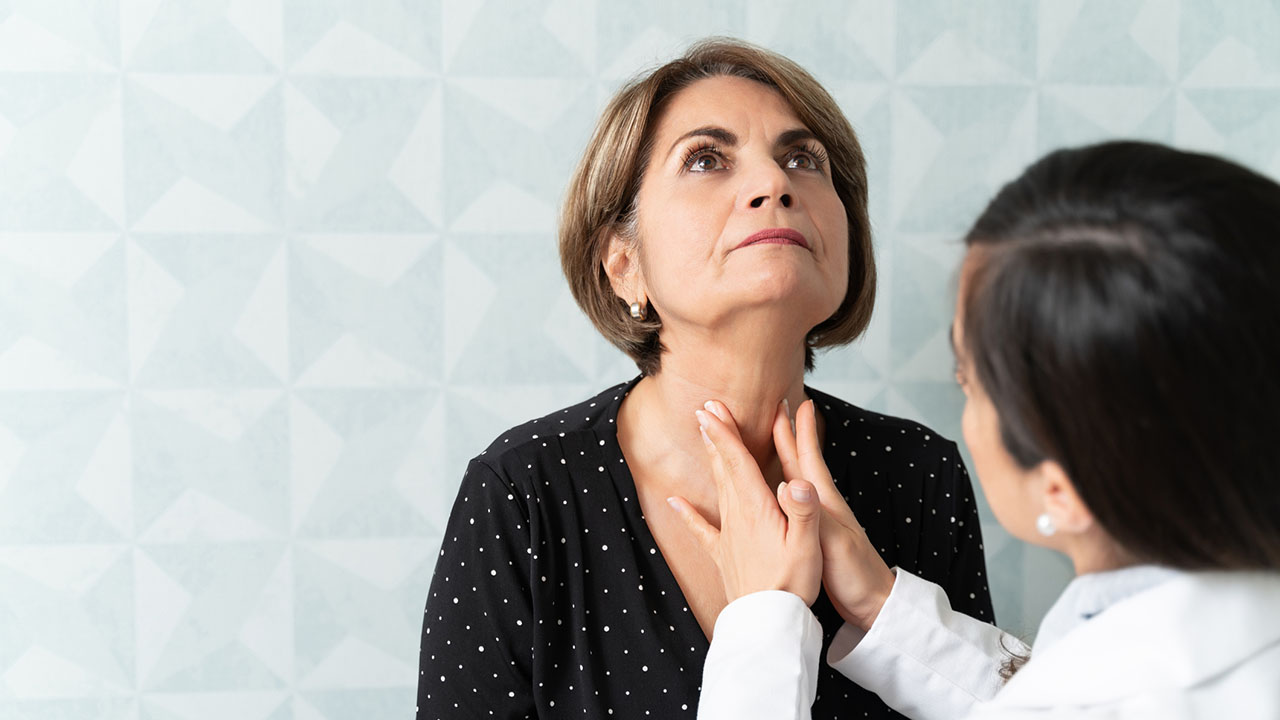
(922, 658)
(763, 660)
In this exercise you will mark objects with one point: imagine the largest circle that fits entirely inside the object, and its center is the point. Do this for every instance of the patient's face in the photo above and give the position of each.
(730, 159)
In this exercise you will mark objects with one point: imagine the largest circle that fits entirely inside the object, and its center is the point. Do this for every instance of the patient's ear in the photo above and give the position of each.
(1061, 501)
(622, 265)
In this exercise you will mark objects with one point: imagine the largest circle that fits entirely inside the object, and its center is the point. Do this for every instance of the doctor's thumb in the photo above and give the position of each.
(801, 505)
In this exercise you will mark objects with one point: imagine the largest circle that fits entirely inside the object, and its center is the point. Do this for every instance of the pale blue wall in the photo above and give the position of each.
(272, 270)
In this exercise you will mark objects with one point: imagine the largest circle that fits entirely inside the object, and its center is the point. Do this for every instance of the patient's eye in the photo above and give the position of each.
(809, 157)
(704, 158)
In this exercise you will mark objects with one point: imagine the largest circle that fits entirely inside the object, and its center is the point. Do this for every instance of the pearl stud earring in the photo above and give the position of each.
(1045, 525)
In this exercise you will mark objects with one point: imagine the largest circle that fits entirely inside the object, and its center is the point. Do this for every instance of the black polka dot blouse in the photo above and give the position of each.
(550, 597)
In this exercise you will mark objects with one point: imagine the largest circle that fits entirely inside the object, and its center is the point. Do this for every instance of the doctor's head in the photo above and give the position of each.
(723, 190)
(1117, 335)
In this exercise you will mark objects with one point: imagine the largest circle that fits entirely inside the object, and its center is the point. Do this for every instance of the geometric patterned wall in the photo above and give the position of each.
(271, 271)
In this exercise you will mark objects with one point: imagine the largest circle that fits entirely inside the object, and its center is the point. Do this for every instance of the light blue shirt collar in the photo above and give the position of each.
(1090, 594)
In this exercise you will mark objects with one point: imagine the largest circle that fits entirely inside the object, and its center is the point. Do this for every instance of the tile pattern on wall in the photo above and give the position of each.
(271, 271)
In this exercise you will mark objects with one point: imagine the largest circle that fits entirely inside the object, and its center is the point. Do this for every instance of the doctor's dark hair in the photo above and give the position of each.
(1123, 315)
(600, 201)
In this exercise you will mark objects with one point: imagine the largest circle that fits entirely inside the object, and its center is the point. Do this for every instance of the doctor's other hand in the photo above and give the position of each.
(763, 543)
(856, 578)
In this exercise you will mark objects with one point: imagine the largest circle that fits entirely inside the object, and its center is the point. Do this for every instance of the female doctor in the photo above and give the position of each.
(1117, 338)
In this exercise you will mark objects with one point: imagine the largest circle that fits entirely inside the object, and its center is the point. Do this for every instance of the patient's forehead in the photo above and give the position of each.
(723, 101)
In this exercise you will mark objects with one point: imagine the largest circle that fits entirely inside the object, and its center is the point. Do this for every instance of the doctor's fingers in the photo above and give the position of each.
(813, 467)
(737, 476)
(721, 411)
(784, 442)
(707, 536)
(837, 532)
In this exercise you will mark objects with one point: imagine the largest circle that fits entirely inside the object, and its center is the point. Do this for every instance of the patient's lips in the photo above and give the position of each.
(775, 236)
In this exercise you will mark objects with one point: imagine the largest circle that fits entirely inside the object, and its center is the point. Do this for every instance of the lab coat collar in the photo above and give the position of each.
(1173, 635)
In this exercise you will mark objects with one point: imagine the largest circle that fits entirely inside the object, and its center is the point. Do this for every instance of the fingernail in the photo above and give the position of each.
(674, 505)
(702, 418)
(706, 440)
(714, 407)
(800, 494)
(786, 408)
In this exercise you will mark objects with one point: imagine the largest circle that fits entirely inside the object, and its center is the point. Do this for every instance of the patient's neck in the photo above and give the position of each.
(657, 426)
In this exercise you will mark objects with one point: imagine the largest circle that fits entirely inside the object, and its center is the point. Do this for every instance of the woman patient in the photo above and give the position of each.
(1117, 336)
(716, 231)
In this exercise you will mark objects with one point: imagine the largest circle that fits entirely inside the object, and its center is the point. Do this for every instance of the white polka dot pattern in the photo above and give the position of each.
(551, 599)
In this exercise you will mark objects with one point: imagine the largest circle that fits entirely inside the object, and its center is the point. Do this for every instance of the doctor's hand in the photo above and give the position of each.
(856, 579)
(764, 543)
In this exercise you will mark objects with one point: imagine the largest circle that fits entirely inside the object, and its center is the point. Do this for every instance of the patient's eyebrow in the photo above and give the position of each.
(719, 134)
(793, 137)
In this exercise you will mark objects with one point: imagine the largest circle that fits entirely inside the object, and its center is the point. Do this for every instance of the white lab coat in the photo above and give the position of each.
(1197, 645)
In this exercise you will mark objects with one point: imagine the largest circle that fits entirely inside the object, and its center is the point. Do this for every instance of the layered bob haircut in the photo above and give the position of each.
(601, 197)
(1123, 315)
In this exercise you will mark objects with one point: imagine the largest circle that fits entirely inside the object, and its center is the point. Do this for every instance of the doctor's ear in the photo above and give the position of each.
(1061, 501)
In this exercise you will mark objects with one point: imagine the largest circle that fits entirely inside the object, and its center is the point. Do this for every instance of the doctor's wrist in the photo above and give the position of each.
(862, 612)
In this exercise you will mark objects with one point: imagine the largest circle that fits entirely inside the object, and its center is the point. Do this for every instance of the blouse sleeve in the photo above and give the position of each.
(477, 654)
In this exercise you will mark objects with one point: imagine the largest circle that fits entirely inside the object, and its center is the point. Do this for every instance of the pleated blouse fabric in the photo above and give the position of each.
(551, 599)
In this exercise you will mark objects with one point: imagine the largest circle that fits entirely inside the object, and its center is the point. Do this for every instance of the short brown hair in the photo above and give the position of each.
(601, 196)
